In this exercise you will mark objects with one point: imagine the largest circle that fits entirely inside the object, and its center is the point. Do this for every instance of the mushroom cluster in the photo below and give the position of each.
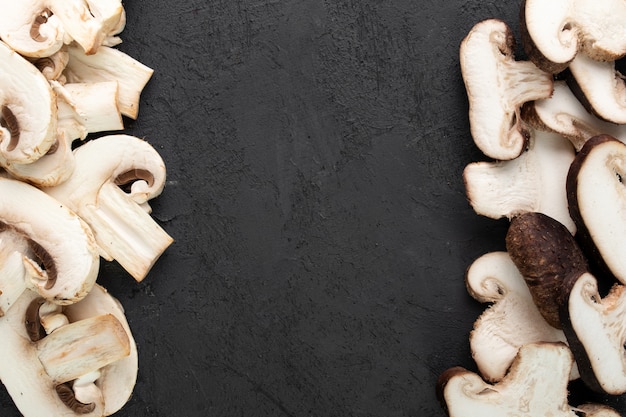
(554, 127)
(69, 199)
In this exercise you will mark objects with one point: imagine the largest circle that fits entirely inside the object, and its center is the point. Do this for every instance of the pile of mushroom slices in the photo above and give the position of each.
(553, 131)
(68, 199)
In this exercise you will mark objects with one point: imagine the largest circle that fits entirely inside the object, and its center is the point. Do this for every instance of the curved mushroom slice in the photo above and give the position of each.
(110, 64)
(123, 228)
(52, 66)
(596, 332)
(564, 114)
(30, 28)
(66, 261)
(535, 181)
(55, 368)
(553, 32)
(497, 85)
(599, 87)
(597, 199)
(27, 110)
(536, 385)
(545, 253)
(511, 322)
(597, 410)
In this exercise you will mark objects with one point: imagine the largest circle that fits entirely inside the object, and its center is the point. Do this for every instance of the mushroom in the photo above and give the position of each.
(27, 110)
(596, 195)
(553, 32)
(535, 181)
(596, 331)
(544, 252)
(497, 86)
(110, 64)
(536, 385)
(57, 373)
(599, 87)
(511, 321)
(13, 248)
(122, 225)
(65, 260)
(564, 114)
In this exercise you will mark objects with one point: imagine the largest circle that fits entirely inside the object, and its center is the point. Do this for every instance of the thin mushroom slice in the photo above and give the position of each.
(564, 114)
(596, 332)
(553, 32)
(65, 260)
(497, 86)
(536, 385)
(535, 181)
(27, 110)
(597, 200)
(511, 321)
(123, 229)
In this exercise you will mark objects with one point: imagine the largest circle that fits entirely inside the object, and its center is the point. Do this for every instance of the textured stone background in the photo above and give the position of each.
(315, 151)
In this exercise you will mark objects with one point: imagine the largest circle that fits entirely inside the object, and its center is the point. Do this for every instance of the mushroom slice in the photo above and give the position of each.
(596, 332)
(27, 110)
(545, 253)
(52, 66)
(13, 247)
(535, 181)
(510, 322)
(600, 88)
(30, 28)
(65, 263)
(564, 114)
(553, 32)
(109, 64)
(597, 410)
(54, 367)
(123, 229)
(497, 85)
(536, 385)
(597, 199)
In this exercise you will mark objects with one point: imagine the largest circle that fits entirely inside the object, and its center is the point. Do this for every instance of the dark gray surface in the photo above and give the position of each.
(314, 152)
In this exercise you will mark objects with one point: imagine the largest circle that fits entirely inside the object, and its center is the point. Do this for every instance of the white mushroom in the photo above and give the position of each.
(123, 229)
(13, 278)
(66, 262)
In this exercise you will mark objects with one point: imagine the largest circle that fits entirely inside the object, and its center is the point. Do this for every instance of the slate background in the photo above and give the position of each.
(314, 153)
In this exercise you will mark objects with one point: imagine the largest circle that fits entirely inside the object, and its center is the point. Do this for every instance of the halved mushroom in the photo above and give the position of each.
(110, 64)
(564, 114)
(597, 200)
(554, 31)
(536, 385)
(497, 86)
(535, 181)
(511, 321)
(66, 262)
(545, 253)
(57, 371)
(27, 110)
(596, 331)
(600, 87)
(122, 225)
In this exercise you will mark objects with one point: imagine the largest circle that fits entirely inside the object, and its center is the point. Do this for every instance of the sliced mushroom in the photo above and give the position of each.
(13, 248)
(545, 253)
(596, 332)
(536, 385)
(123, 229)
(66, 261)
(30, 28)
(535, 181)
(563, 113)
(553, 32)
(597, 200)
(599, 87)
(497, 86)
(511, 321)
(27, 110)
(43, 369)
(110, 64)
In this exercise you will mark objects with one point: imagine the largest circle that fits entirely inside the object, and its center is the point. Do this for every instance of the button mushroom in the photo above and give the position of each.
(497, 86)
(123, 229)
(66, 261)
